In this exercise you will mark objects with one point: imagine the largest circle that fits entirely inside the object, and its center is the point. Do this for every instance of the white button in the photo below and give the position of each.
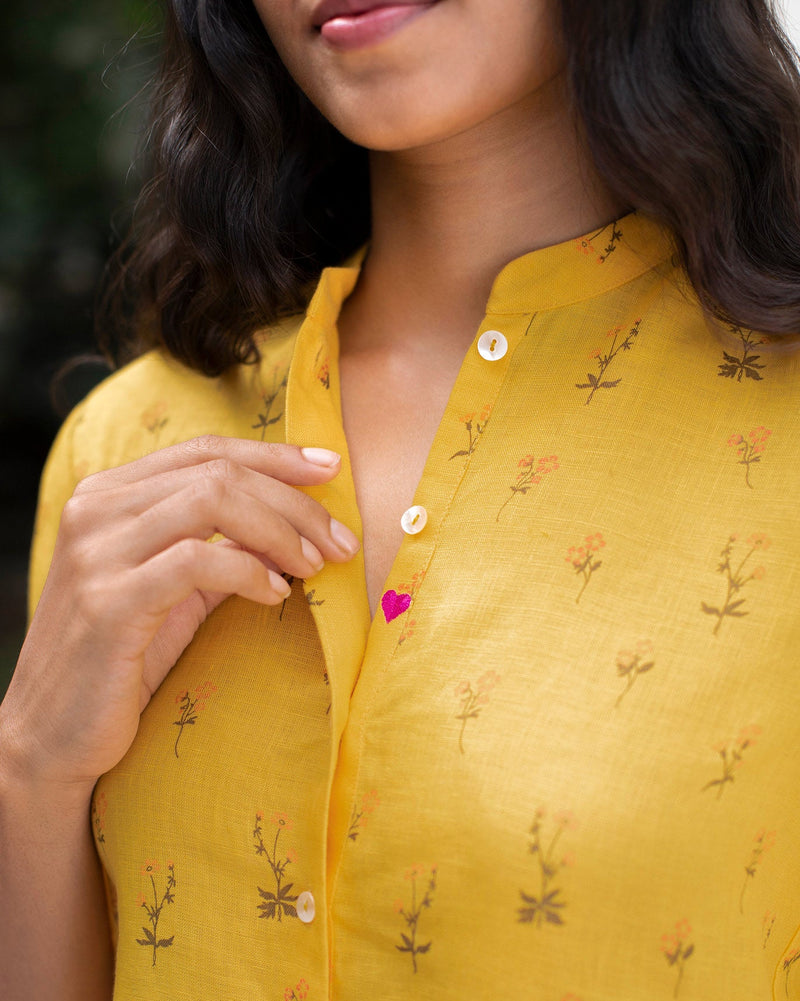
(414, 520)
(492, 345)
(306, 908)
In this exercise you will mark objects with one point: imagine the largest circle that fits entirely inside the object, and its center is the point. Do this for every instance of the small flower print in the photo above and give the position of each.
(762, 843)
(585, 245)
(736, 579)
(322, 367)
(677, 949)
(312, 598)
(265, 418)
(732, 755)
(297, 993)
(571, 997)
(190, 707)
(546, 907)
(565, 820)
(281, 902)
(605, 356)
(735, 367)
(750, 449)
(423, 884)
(767, 924)
(327, 681)
(531, 471)
(788, 962)
(473, 700)
(155, 419)
(151, 869)
(611, 246)
(411, 589)
(632, 663)
(583, 559)
(474, 425)
(408, 630)
(361, 811)
(99, 807)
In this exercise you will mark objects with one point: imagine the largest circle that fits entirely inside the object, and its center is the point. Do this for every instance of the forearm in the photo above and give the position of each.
(54, 932)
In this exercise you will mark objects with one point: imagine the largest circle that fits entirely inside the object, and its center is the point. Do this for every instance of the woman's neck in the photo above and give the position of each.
(447, 217)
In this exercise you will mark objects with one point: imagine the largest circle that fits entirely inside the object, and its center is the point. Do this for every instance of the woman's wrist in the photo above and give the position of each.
(26, 775)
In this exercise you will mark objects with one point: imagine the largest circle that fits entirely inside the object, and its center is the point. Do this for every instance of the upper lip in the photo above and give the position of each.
(328, 9)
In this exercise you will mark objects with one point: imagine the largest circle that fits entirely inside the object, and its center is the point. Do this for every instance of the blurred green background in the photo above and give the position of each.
(71, 112)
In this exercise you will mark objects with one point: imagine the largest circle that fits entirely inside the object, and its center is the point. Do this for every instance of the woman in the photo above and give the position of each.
(537, 737)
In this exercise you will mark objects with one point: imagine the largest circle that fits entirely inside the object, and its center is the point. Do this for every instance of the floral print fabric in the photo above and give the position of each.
(562, 756)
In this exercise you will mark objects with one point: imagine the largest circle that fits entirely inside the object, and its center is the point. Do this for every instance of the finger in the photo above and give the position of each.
(173, 575)
(136, 499)
(254, 509)
(288, 527)
(203, 510)
(301, 466)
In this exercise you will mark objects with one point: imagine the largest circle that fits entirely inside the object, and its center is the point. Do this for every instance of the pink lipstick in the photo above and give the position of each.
(353, 24)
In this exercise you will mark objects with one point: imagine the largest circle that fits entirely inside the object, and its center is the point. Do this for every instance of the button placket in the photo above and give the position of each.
(338, 604)
(440, 482)
(492, 345)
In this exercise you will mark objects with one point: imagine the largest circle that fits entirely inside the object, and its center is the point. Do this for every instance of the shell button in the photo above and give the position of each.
(306, 908)
(414, 520)
(492, 345)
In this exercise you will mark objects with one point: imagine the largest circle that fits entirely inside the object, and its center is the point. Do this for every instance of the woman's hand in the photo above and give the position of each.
(133, 576)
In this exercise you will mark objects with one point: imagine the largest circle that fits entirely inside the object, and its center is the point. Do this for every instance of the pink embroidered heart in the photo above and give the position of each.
(394, 604)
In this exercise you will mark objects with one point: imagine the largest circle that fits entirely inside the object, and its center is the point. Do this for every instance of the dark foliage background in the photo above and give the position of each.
(67, 68)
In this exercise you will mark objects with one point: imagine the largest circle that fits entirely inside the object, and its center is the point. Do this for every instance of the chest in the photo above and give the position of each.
(391, 408)
(561, 736)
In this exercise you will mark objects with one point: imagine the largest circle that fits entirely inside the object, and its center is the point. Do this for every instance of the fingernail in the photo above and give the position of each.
(312, 554)
(320, 456)
(283, 588)
(344, 538)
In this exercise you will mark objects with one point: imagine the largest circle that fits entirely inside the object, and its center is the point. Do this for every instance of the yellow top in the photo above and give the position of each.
(560, 763)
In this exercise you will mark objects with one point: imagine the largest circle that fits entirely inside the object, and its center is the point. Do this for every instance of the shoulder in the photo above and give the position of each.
(153, 402)
(157, 401)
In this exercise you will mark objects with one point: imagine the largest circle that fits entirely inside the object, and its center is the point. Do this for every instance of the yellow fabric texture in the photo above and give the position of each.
(559, 764)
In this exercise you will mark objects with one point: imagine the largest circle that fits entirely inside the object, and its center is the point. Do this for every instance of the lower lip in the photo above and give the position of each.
(355, 31)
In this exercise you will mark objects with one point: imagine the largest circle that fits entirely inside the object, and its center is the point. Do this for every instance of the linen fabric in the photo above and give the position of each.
(561, 762)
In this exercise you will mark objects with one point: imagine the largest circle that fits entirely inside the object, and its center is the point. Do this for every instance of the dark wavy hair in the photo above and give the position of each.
(690, 108)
